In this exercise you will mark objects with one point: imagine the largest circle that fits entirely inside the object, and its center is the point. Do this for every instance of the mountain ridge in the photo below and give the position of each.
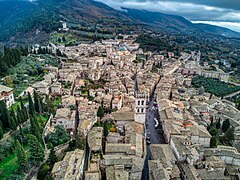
(20, 18)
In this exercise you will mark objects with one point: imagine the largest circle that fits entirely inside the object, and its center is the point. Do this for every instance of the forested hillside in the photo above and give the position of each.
(10, 58)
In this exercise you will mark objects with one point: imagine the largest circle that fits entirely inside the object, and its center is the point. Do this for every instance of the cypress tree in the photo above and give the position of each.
(36, 150)
(213, 142)
(4, 115)
(13, 114)
(1, 132)
(20, 116)
(218, 125)
(22, 157)
(35, 129)
(225, 125)
(12, 123)
(31, 105)
(52, 156)
(24, 109)
(36, 101)
(100, 112)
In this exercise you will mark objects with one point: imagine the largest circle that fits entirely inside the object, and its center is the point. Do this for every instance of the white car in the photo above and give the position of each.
(156, 122)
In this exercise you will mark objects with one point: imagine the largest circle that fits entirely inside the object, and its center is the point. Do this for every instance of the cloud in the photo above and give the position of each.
(195, 10)
(231, 25)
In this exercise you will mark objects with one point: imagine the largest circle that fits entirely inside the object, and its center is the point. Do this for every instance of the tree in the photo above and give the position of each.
(80, 142)
(43, 171)
(64, 39)
(36, 150)
(229, 136)
(211, 124)
(218, 125)
(4, 115)
(31, 105)
(105, 129)
(13, 115)
(213, 142)
(213, 131)
(12, 123)
(35, 128)
(20, 116)
(24, 109)
(1, 132)
(59, 136)
(225, 125)
(52, 156)
(22, 157)
(100, 112)
(37, 103)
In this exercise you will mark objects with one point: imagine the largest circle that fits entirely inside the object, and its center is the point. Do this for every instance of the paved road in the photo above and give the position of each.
(155, 133)
(155, 136)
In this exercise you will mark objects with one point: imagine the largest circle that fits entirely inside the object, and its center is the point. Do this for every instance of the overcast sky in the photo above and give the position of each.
(224, 13)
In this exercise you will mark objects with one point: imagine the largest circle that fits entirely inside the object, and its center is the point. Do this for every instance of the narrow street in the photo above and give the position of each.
(154, 133)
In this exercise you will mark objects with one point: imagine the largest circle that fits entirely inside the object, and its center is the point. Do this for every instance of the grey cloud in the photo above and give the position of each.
(210, 10)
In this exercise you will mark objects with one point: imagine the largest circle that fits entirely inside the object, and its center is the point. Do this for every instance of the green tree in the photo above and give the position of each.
(100, 112)
(36, 150)
(64, 39)
(1, 132)
(105, 129)
(52, 156)
(35, 128)
(43, 171)
(229, 136)
(20, 116)
(59, 136)
(13, 114)
(31, 105)
(37, 102)
(225, 125)
(22, 157)
(24, 110)
(80, 142)
(213, 142)
(218, 124)
(4, 115)
(12, 123)
(213, 131)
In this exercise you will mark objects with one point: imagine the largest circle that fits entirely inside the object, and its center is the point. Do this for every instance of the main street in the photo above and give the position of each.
(154, 133)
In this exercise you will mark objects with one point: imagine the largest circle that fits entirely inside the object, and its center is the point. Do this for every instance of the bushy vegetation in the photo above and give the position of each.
(214, 86)
(23, 147)
(58, 137)
(150, 43)
(222, 134)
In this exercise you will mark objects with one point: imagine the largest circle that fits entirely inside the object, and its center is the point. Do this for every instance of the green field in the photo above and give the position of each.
(214, 86)
(8, 166)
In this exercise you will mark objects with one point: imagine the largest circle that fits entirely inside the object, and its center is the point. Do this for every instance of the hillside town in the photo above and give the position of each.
(136, 113)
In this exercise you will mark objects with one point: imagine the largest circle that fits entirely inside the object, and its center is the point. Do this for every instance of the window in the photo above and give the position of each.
(142, 110)
(142, 102)
(138, 110)
(138, 102)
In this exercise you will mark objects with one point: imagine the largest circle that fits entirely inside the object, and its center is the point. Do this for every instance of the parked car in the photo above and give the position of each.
(148, 142)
